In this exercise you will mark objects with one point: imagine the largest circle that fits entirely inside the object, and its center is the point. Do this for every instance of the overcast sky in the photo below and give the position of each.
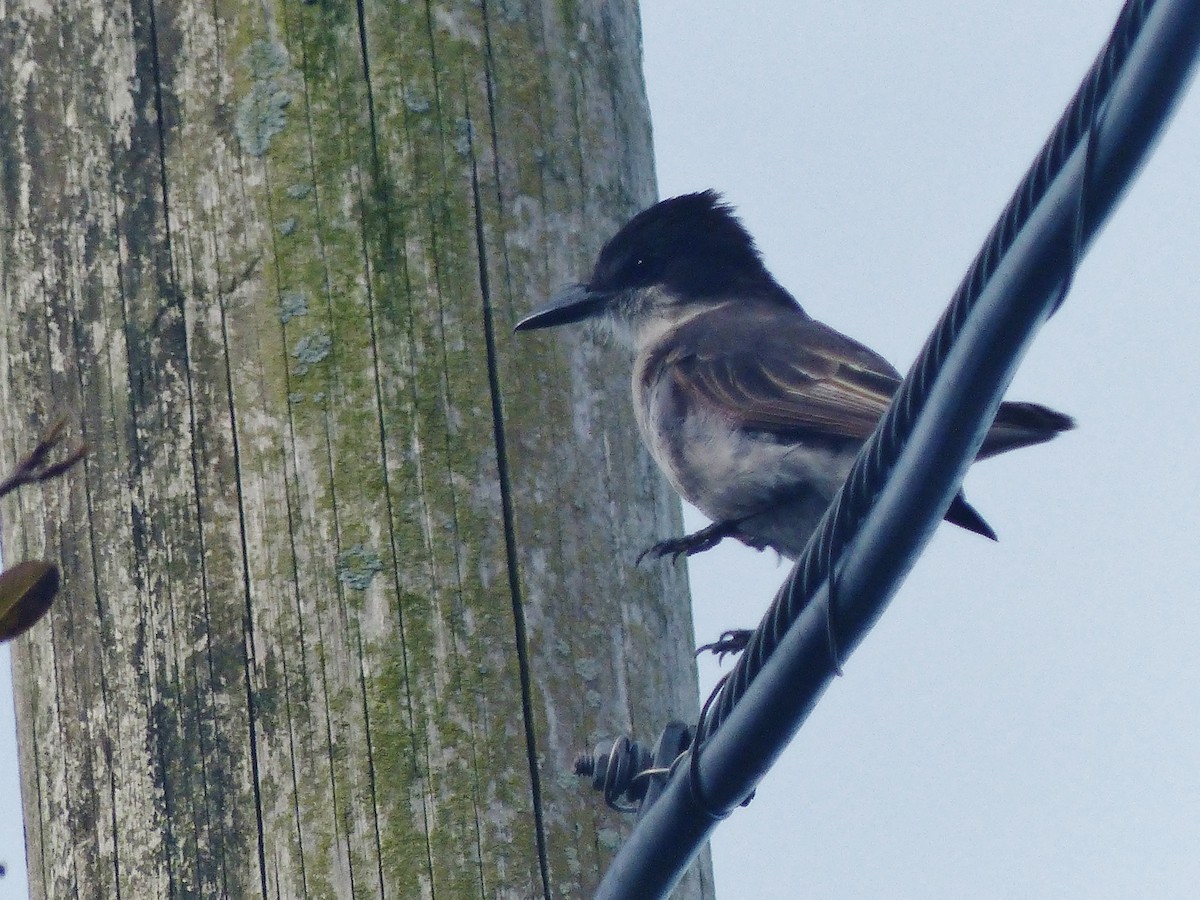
(1023, 720)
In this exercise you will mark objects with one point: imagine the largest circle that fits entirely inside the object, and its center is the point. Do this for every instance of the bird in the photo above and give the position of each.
(753, 410)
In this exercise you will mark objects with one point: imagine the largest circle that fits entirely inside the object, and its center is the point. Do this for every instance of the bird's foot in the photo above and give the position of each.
(697, 542)
(733, 641)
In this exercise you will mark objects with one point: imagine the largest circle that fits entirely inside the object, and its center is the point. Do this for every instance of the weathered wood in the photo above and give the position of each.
(258, 252)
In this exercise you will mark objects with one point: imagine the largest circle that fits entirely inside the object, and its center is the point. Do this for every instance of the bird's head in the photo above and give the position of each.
(678, 257)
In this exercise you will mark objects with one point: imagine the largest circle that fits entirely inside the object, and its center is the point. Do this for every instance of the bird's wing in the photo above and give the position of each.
(783, 375)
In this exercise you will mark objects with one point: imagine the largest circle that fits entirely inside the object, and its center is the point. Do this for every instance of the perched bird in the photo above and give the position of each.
(754, 410)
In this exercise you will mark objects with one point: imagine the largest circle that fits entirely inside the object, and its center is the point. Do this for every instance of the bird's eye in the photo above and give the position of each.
(626, 270)
(640, 269)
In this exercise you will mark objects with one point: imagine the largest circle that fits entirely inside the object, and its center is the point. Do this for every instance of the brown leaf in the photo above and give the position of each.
(26, 592)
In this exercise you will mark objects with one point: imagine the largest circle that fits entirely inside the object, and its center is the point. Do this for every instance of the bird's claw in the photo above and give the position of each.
(735, 640)
(673, 547)
(697, 542)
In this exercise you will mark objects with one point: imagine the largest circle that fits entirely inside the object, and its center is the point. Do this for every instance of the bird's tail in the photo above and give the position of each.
(964, 515)
(1022, 424)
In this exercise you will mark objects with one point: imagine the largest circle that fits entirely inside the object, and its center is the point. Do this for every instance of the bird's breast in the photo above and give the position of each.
(726, 472)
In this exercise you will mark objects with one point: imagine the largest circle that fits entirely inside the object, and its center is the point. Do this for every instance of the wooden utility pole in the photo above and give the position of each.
(348, 572)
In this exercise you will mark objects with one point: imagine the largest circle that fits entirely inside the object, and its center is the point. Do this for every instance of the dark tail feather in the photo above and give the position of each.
(1016, 425)
(963, 514)
(1020, 425)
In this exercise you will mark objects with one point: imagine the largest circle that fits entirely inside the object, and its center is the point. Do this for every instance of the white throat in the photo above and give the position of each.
(654, 320)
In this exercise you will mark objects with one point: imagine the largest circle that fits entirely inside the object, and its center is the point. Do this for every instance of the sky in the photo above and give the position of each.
(1022, 722)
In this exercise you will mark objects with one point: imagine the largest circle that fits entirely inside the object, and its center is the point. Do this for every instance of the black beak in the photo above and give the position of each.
(573, 303)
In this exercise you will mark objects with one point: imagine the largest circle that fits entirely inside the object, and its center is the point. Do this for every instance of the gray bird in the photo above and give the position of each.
(754, 410)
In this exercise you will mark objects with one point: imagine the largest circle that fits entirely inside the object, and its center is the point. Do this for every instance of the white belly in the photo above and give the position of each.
(779, 489)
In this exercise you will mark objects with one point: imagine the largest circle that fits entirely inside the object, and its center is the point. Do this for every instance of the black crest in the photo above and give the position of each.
(692, 244)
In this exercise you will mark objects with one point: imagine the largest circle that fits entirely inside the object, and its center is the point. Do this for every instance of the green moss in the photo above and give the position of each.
(361, 394)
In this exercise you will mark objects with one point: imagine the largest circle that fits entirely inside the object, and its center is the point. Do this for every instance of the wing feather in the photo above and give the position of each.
(781, 375)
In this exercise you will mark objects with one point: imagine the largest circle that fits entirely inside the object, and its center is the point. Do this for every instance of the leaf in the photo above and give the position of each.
(26, 592)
